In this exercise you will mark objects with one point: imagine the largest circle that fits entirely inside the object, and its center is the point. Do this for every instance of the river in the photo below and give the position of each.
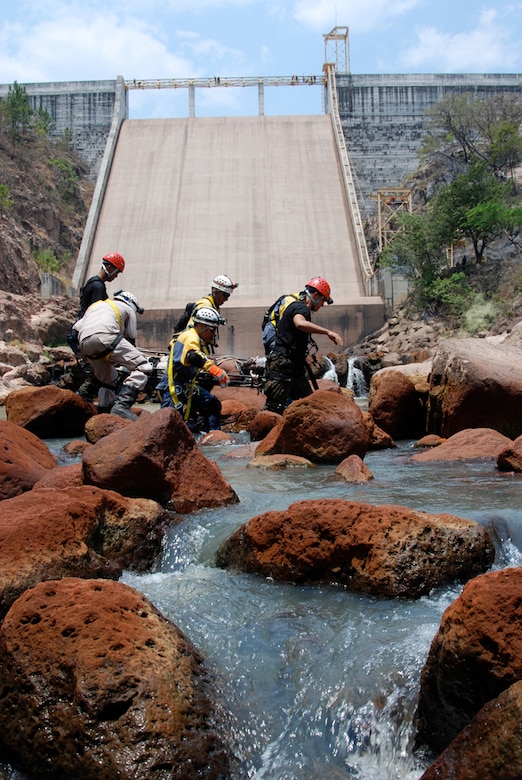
(320, 683)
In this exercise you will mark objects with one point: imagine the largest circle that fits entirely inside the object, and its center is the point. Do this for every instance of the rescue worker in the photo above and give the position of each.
(286, 376)
(107, 337)
(221, 289)
(93, 290)
(189, 355)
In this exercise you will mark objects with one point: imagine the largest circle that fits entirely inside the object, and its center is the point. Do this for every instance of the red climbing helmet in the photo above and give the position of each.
(115, 259)
(322, 286)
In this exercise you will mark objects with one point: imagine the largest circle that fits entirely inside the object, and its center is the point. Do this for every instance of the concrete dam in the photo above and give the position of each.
(261, 199)
(257, 198)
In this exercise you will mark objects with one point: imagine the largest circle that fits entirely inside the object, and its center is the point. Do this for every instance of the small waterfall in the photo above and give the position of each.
(356, 380)
(330, 372)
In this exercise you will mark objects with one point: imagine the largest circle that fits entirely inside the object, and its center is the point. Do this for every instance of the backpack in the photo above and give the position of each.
(183, 321)
(271, 319)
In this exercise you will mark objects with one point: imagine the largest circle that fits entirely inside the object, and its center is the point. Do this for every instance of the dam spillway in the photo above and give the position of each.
(260, 199)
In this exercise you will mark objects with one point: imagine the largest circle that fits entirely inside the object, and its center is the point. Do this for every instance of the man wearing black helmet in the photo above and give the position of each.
(286, 377)
(107, 337)
(189, 355)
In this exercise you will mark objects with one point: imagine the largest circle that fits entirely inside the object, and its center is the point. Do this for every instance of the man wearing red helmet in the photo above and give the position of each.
(94, 288)
(286, 377)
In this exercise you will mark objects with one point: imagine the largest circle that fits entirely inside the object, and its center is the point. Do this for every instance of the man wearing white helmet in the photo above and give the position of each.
(220, 291)
(107, 337)
(189, 355)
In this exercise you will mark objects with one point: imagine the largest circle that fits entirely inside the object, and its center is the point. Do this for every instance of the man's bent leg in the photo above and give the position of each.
(278, 382)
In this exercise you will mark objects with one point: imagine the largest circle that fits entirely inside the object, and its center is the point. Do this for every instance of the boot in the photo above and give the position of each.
(124, 400)
(89, 388)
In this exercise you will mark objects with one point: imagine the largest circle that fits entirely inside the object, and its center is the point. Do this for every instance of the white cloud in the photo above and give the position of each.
(484, 49)
(359, 15)
(87, 46)
(209, 51)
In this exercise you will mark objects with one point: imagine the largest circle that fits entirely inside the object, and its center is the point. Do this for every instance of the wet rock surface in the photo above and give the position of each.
(387, 551)
(325, 427)
(78, 531)
(474, 657)
(95, 683)
(157, 457)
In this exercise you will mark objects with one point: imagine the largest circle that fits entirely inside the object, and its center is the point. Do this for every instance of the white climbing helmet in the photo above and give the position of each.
(208, 316)
(130, 299)
(224, 284)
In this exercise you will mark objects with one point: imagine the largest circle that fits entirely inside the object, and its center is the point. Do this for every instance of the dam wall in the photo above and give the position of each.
(384, 118)
(85, 109)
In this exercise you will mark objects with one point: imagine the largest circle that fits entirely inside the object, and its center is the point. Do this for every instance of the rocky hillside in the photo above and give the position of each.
(45, 194)
(411, 336)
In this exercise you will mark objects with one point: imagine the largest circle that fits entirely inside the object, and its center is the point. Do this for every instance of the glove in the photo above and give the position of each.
(219, 375)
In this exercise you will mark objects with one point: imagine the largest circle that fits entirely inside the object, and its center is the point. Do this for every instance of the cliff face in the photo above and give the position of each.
(44, 202)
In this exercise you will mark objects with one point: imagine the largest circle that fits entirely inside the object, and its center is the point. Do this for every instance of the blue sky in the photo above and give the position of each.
(44, 40)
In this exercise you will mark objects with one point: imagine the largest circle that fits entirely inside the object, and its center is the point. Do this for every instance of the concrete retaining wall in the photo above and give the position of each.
(85, 108)
(242, 334)
(384, 120)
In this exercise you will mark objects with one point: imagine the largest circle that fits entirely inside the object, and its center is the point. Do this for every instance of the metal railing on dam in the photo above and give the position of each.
(228, 81)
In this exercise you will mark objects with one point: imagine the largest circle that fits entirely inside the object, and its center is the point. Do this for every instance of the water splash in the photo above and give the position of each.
(330, 372)
(356, 380)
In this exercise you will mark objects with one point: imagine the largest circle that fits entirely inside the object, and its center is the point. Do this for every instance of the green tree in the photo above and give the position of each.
(17, 111)
(67, 179)
(417, 252)
(463, 128)
(42, 121)
(46, 260)
(6, 202)
(469, 206)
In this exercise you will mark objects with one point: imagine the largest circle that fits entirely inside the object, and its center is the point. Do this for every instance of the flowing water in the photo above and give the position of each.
(320, 683)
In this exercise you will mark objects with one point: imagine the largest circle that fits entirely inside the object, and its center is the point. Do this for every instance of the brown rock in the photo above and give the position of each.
(489, 748)
(279, 462)
(475, 655)
(24, 459)
(102, 424)
(324, 427)
(261, 425)
(75, 447)
(214, 438)
(248, 396)
(98, 684)
(510, 458)
(384, 550)
(430, 440)
(61, 477)
(78, 531)
(332, 387)
(396, 406)
(466, 445)
(236, 416)
(353, 469)
(49, 412)
(157, 457)
(476, 384)
(269, 443)
(379, 440)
